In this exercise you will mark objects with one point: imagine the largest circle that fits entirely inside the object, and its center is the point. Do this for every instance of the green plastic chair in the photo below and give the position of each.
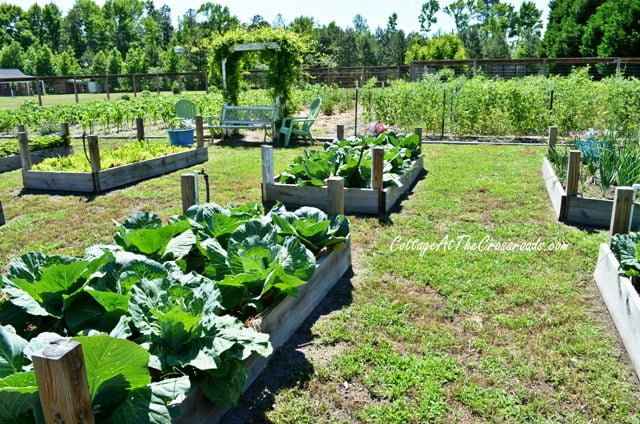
(288, 124)
(185, 110)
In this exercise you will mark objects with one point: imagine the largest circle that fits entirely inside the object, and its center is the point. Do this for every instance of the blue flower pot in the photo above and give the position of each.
(181, 137)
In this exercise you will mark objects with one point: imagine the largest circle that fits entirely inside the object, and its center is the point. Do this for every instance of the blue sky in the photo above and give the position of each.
(324, 11)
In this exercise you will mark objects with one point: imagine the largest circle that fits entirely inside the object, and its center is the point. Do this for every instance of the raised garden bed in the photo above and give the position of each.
(280, 322)
(100, 180)
(356, 200)
(13, 162)
(622, 300)
(576, 209)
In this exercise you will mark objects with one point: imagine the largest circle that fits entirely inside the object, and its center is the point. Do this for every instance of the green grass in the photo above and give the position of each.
(452, 335)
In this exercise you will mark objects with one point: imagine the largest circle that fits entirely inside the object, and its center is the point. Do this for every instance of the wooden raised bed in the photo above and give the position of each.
(576, 210)
(13, 162)
(622, 301)
(377, 200)
(280, 323)
(100, 180)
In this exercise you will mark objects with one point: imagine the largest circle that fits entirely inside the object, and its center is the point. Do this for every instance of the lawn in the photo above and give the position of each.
(451, 335)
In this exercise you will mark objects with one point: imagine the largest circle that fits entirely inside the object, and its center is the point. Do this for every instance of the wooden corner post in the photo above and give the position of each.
(62, 383)
(94, 158)
(621, 213)
(335, 192)
(139, 128)
(377, 170)
(64, 130)
(267, 170)
(199, 131)
(25, 154)
(418, 131)
(573, 177)
(553, 139)
(340, 132)
(188, 187)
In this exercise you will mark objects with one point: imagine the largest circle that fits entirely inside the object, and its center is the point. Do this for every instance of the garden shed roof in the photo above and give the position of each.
(12, 73)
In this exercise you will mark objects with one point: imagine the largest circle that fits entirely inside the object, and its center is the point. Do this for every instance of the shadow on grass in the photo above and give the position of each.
(289, 366)
(385, 219)
(243, 142)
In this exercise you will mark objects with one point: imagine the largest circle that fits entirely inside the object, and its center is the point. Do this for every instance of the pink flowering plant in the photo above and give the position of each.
(376, 128)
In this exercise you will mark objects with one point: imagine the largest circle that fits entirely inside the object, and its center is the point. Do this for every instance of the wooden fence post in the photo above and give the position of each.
(75, 89)
(158, 84)
(340, 132)
(106, 86)
(553, 139)
(64, 130)
(377, 169)
(62, 383)
(25, 154)
(573, 177)
(335, 192)
(2, 220)
(140, 128)
(21, 128)
(133, 85)
(418, 132)
(268, 177)
(199, 131)
(188, 188)
(94, 158)
(621, 213)
(39, 91)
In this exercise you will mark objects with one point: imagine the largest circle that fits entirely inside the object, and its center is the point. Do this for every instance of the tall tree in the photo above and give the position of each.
(566, 27)
(51, 25)
(427, 15)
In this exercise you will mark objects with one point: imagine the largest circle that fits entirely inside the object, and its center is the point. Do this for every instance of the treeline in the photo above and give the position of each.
(134, 36)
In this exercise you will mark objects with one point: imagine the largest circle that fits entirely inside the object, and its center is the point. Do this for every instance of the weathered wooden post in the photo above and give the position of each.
(106, 86)
(21, 128)
(268, 177)
(39, 91)
(25, 154)
(64, 130)
(140, 128)
(335, 192)
(158, 84)
(188, 187)
(199, 131)
(134, 86)
(573, 177)
(418, 132)
(94, 158)
(340, 132)
(377, 169)
(553, 139)
(75, 89)
(62, 383)
(2, 220)
(621, 213)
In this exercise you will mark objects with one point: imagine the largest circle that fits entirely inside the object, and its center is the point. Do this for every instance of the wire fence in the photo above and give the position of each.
(513, 68)
(49, 90)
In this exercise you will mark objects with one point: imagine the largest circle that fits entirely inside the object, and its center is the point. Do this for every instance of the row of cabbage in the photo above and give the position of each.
(464, 106)
(162, 311)
(351, 159)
